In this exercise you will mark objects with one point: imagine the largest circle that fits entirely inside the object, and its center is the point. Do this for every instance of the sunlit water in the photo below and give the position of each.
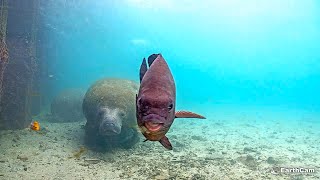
(251, 67)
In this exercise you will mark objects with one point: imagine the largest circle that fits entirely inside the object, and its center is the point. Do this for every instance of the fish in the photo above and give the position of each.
(35, 125)
(156, 101)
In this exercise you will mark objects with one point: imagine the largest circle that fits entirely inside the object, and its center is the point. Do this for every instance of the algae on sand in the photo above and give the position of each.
(79, 153)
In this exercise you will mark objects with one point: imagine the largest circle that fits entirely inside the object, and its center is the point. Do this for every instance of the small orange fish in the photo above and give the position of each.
(35, 126)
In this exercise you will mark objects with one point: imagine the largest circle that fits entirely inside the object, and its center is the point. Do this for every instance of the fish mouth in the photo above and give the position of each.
(153, 122)
(153, 126)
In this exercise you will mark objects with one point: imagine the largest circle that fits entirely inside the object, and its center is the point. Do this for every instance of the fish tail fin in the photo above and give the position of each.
(143, 68)
(165, 143)
(188, 114)
(151, 58)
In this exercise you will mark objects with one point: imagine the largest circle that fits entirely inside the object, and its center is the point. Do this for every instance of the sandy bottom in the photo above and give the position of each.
(231, 143)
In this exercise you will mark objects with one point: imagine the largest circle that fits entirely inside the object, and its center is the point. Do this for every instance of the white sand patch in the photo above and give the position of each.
(235, 146)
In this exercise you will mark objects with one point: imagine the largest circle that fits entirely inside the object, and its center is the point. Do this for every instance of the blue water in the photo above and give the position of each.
(251, 67)
(235, 52)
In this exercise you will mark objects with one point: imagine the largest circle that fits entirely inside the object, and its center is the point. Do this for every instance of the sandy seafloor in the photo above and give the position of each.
(232, 143)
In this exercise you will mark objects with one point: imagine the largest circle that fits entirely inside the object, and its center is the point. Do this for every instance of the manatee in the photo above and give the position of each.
(66, 106)
(109, 107)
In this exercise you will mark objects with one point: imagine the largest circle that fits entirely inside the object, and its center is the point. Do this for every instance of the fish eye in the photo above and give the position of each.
(170, 107)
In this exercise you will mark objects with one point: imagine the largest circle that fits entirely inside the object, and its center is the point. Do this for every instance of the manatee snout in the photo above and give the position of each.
(109, 128)
(110, 122)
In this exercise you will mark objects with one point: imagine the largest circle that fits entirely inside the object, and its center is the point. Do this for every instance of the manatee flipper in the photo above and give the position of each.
(143, 68)
(165, 143)
(151, 58)
(188, 114)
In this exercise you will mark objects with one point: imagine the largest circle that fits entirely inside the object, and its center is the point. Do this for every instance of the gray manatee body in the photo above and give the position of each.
(109, 107)
(66, 106)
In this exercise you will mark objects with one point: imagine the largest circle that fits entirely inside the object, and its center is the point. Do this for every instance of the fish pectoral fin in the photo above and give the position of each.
(188, 114)
(143, 68)
(166, 143)
(145, 140)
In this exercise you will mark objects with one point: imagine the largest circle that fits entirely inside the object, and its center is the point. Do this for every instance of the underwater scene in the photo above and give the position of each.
(159, 89)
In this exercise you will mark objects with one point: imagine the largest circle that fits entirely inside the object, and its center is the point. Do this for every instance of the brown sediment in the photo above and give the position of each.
(222, 153)
(79, 153)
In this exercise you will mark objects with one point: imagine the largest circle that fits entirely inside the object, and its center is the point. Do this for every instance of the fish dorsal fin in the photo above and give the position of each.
(143, 68)
(165, 143)
(188, 114)
(151, 58)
